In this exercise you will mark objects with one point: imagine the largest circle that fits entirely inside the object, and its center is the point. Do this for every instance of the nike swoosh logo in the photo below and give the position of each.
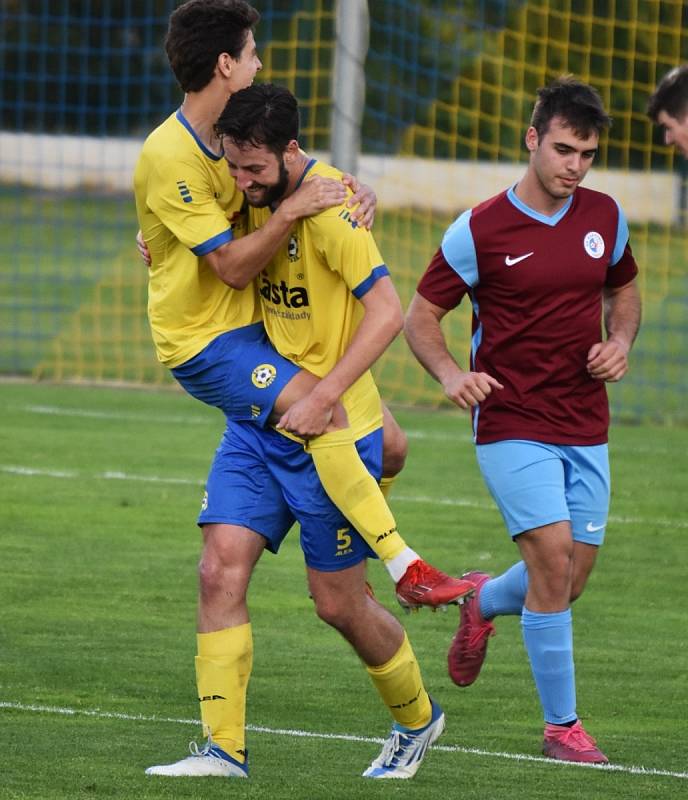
(509, 261)
(590, 528)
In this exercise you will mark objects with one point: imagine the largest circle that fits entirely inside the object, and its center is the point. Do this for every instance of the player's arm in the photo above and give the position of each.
(608, 360)
(382, 322)
(363, 201)
(239, 261)
(426, 340)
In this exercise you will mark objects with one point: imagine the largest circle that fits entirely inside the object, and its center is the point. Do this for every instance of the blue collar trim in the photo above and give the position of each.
(521, 206)
(185, 122)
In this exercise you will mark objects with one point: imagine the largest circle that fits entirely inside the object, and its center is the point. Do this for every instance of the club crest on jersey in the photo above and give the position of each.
(593, 244)
(293, 250)
(263, 375)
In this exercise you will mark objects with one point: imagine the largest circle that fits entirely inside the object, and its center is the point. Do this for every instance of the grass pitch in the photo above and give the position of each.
(99, 490)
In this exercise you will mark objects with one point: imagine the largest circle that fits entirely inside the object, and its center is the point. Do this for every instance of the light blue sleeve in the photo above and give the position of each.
(621, 238)
(458, 249)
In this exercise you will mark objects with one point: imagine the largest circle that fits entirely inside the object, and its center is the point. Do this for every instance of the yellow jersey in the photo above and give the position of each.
(187, 206)
(309, 294)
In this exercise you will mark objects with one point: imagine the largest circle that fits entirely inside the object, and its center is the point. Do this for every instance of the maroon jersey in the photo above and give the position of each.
(536, 285)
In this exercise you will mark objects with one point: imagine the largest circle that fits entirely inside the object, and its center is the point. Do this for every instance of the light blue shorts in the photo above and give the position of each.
(239, 372)
(536, 484)
(264, 481)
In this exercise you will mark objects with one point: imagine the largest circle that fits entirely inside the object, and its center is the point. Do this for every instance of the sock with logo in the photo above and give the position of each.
(400, 686)
(549, 642)
(223, 667)
(505, 594)
(356, 493)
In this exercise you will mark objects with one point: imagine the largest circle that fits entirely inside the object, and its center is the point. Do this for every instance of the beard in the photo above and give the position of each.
(272, 194)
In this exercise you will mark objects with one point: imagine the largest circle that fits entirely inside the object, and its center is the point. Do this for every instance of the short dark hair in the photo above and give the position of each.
(200, 31)
(671, 95)
(577, 103)
(262, 114)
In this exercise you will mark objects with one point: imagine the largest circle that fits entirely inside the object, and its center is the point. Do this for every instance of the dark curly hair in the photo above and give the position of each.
(577, 103)
(262, 114)
(199, 31)
(671, 95)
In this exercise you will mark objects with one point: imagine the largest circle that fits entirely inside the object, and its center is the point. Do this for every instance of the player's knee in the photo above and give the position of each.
(577, 586)
(333, 611)
(219, 577)
(210, 574)
(395, 449)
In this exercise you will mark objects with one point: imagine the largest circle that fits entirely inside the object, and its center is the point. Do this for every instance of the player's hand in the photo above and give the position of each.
(363, 197)
(608, 361)
(468, 389)
(315, 194)
(306, 418)
(142, 247)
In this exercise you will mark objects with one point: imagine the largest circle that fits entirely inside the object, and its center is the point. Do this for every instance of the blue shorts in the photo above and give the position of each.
(264, 481)
(239, 372)
(536, 484)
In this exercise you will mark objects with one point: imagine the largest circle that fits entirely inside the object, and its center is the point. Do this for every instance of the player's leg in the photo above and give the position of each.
(224, 641)
(505, 594)
(380, 642)
(224, 653)
(335, 556)
(548, 636)
(241, 373)
(361, 499)
(394, 450)
(346, 480)
(515, 473)
(243, 513)
(358, 495)
(585, 500)
(535, 506)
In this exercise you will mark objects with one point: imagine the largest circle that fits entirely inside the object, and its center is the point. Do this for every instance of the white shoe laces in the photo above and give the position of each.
(392, 748)
(193, 748)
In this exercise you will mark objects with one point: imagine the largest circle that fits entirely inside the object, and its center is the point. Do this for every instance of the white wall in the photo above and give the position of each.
(69, 162)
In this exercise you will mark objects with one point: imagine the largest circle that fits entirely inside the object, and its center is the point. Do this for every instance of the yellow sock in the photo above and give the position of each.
(355, 492)
(223, 667)
(401, 687)
(386, 485)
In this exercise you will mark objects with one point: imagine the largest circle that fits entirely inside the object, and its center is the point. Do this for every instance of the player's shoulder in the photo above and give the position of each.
(472, 220)
(493, 206)
(334, 219)
(170, 144)
(592, 199)
(317, 167)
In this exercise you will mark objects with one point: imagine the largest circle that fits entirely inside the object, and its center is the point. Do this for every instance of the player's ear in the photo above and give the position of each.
(224, 65)
(532, 139)
(291, 151)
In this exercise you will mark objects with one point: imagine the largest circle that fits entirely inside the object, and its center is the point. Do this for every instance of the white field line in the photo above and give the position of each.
(167, 419)
(89, 413)
(450, 437)
(459, 502)
(628, 769)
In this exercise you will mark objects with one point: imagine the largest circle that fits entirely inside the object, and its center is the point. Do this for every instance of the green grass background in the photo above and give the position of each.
(97, 598)
(73, 301)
